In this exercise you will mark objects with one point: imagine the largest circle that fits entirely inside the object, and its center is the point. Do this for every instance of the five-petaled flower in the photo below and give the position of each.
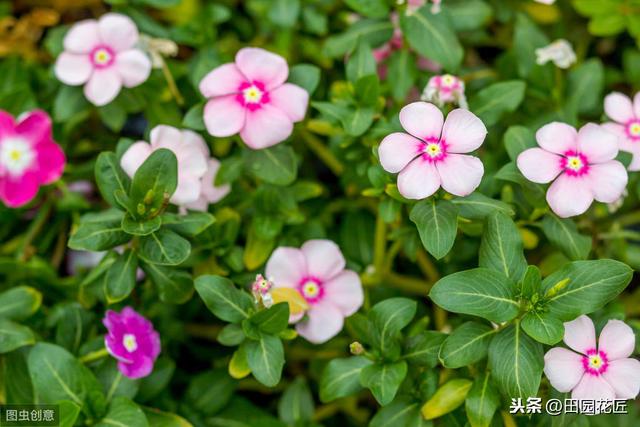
(317, 271)
(133, 341)
(431, 155)
(626, 124)
(250, 97)
(29, 157)
(444, 89)
(581, 163)
(596, 372)
(101, 54)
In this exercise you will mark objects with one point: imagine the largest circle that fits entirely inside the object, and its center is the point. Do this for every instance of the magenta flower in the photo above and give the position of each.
(251, 97)
(102, 56)
(581, 163)
(431, 155)
(29, 157)
(596, 372)
(317, 271)
(132, 340)
(626, 124)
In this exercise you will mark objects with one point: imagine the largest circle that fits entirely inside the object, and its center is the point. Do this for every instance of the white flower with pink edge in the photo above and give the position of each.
(626, 123)
(444, 89)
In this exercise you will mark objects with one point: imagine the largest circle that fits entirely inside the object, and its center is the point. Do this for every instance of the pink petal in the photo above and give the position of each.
(118, 31)
(618, 107)
(597, 143)
(7, 124)
(193, 138)
(608, 181)
(419, 180)
(164, 136)
(463, 131)
(82, 37)
(460, 174)
(593, 387)
(422, 120)
(570, 196)
(103, 86)
(134, 157)
(224, 116)
(397, 150)
(263, 66)
(563, 368)
(557, 137)
(211, 192)
(188, 189)
(539, 165)
(636, 105)
(140, 368)
(617, 340)
(265, 127)
(324, 322)
(133, 66)
(73, 69)
(36, 126)
(286, 267)
(580, 334)
(623, 375)
(51, 162)
(324, 259)
(223, 80)
(345, 292)
(16, 191)
(292, 100)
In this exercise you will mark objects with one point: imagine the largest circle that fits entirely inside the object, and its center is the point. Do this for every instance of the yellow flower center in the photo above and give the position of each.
(129, 342)
(310, 289)
(252, 94)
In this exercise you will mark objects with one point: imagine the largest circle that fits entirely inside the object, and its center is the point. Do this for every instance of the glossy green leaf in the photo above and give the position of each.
(437, 223)
(223, 299)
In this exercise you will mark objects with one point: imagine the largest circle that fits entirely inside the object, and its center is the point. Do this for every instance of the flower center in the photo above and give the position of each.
(633, 129)
(252, 95)
(595, 362)
(448, 81)
(16, 155)
(129, 342)
(574, 164)
(311, 289)
(434, 151)
(102, 56)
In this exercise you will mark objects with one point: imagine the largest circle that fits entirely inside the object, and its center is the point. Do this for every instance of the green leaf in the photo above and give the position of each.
(223, 299)
(478, 206)
(307, 76)
(384, 379)
(501, 247)
(478, 292)
(19, 303)
(210, 391)
(69, 102)
(431, 35)
(591, 285)
(194, 119)
(388, 318)
(121, 277)
(369, 8)
(402, 412)
(231, 335)
(516, 362)
(140, 228)
(483, 400)
(73, 323)
(114, 383)
(517, 139)
(563, 234)
(188, 225)
(533, 193)
(110, 177)
(154, 182)
(585, 84)
(543, 327)
(284, 13)
(527, 37)
(265, 358)
(468, 15)
(13, 336)
(164, 247)
(403, 68)
(113, 115)
(341, 378)
(123, 412)
(374, 32)
(99, 233)
(295, 407)
(422, 349)
(531, 281)
(493, 101)
(174, 286)
(157, 418)
(437, 223)
(272, 320)
(367, 89)
(68, 413)
(275, 165)
(356, 121)
(361, 62)
(468, 344)
(447, 398)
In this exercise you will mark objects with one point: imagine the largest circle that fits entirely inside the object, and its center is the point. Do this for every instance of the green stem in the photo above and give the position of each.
(34, 229)
(172, 84)
(379, 245)
(94, 355)
(320, 150)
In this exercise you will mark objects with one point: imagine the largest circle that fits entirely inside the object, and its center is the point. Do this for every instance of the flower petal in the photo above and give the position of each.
(224, 116)
(286, 267)
(636, 105)
(463, 131)
(617, 340)
(7, 124)
(563, 368)
(608, 181)
(460, 173)
(134, 157)
(324, 259)
(539, 165)
(291, 99)
(16, 191)
(103, 86)
(397, 150)
(324, 322)
(345, 292)
(422, 120)
(188, 189)
(118, 31)
(593, 387)
(618, 107)
(73, 69)
(623, 375)
(557, 137)
(133, 66)
(51, 162)
(597, 143)
(210, 191)
(263, 66)
(570, 196)
(265, 127)
(419, 179)
(580, 334)
(141, 367)
(35, 126)
(82, 37)
(222, 80)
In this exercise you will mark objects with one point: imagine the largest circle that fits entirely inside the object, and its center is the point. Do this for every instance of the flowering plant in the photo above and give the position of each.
(320, 213)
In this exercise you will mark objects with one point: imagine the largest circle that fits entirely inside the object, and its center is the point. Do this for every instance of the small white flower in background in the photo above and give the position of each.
(444, 89)
(158, 49)
(559, 52)
(261, 290)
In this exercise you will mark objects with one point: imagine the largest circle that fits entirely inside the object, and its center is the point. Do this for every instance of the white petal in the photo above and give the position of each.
(563, 368)
(419, 180)
(460, 174)
(617, 340)
(580, 334)
(463, 131)
(422, 120)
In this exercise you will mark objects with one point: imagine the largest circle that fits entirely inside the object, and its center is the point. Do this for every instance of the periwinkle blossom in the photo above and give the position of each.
(133, 341)
(444, 89)
(29, 157)
(317, 271)
(625, 114)
(580, 163)
(595, 371)
(431, 152)
(261, 291)
(559, 52)
(251, 97)
(102, 55)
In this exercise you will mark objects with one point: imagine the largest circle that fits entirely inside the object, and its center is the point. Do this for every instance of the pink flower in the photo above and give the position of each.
(209, 192)
(132, 340)
(29, 157)
(317, 271)
(596, 372)
(581, 161)
(444, 89)
(626, 123)
(251, 97)
(189, 148)
(430, 154)
(101, 55)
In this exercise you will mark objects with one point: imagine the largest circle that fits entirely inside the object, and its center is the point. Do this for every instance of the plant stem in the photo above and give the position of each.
(379, 245)
(175, 92)
(321, 150)
(408, 284)
(208, 332)
(34, 229)
(94, 355)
